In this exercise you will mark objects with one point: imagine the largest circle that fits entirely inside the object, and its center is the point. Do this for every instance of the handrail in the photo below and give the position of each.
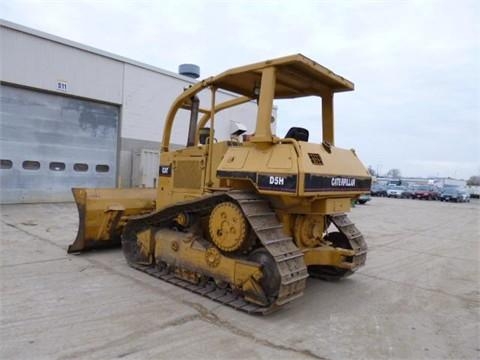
(177, 104)
(185, 97)
(222, 106)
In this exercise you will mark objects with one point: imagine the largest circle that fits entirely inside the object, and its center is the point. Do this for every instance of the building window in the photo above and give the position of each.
(57, 166)
(31, 165)
(102, 168)
(6, 164)
(80, 167)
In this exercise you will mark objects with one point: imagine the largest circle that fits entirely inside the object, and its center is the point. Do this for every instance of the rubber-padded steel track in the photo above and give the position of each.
(354, 236)
(288, 258)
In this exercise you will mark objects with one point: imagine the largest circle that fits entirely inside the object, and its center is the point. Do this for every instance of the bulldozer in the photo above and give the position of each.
(244, 223)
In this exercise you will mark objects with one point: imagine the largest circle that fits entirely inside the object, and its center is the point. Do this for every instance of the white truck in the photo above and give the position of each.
(474, 191)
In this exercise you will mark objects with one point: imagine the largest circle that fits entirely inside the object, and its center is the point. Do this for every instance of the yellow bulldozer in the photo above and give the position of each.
(243, 223)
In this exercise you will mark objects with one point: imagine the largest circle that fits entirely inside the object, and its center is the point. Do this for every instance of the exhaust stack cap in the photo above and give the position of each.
(190, 70)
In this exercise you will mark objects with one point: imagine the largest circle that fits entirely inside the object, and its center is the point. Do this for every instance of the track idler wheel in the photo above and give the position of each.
(271, 279)
(331, 272)
(131, 250)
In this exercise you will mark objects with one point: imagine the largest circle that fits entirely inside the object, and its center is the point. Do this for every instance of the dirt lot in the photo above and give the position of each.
(417, 297)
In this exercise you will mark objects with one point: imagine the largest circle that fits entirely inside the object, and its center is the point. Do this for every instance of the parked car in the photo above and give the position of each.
(455, 194)
(398, 192)
(426, 192)
(378, 190)
(450, 194)
(408, 193)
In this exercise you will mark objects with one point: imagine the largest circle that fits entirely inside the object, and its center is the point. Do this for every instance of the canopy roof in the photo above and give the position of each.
(296, 76)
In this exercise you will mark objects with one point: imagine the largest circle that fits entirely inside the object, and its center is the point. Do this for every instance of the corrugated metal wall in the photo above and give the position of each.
(35, 60)
(51, 143)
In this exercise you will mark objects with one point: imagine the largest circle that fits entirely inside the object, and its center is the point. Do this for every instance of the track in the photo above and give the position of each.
(355, 241)
(288, 258)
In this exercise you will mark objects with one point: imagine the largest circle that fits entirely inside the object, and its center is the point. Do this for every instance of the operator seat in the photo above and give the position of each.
(297, 133)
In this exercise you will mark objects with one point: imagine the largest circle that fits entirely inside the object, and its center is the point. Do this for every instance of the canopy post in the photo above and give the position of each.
(263, 132)
(211, 139)
(327, 118)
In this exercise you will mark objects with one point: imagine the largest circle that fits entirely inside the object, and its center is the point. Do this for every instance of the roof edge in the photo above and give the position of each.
(63, 41)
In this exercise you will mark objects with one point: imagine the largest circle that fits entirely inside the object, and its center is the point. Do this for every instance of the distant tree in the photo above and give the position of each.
(372, 171)
(394, 173)
(474, 180)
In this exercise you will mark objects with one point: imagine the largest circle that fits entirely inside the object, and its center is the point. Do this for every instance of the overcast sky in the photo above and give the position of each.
(415, 64)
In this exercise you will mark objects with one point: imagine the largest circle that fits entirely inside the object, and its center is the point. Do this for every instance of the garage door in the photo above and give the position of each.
(51, 143)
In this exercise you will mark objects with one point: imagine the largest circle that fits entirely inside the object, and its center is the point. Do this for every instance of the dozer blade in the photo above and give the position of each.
(103, 214)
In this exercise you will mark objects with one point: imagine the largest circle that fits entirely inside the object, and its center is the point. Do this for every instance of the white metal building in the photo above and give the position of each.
(75, 116)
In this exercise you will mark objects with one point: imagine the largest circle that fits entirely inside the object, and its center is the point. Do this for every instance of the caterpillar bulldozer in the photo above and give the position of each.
(243, 223)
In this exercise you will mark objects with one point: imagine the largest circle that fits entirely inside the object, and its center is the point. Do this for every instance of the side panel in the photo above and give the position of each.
(181, 175)
(36, 62)
(272, 169)
(331, 171)
(301, 168)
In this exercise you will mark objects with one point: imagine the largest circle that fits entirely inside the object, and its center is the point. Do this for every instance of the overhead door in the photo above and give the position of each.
(51, 143)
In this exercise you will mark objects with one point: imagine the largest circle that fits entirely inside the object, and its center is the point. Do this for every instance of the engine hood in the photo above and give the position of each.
(297, 168)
